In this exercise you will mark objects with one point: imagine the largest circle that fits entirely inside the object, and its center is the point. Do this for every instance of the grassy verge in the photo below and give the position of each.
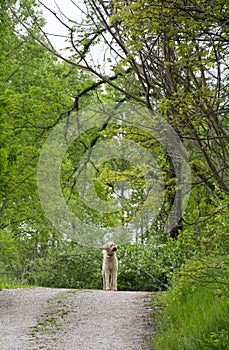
(195, 314)
(6, 283)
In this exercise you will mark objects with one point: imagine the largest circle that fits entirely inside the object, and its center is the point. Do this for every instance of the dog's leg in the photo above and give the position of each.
(114, 281)
(104, 281)
(107, 282)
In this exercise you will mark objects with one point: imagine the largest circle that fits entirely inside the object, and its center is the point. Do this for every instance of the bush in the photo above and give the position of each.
(73, 266)
(150, 267)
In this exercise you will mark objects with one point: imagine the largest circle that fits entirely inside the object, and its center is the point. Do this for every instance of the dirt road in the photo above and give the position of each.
(60, 319)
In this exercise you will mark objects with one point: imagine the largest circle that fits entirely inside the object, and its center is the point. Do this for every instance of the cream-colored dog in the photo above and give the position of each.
(110, 266)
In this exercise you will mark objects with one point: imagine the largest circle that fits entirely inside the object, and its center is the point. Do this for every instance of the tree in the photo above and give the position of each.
(35, 92)
(170, 57)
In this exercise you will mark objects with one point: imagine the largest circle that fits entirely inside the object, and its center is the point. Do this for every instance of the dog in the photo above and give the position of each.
(110, 266)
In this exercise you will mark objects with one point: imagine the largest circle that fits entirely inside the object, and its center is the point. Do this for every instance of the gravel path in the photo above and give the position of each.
(60, 319)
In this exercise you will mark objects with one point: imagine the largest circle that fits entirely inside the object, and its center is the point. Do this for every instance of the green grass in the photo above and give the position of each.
(7, 283)
(195, 314)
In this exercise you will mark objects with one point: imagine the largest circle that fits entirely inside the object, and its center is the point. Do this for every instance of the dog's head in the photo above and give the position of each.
(110, 247)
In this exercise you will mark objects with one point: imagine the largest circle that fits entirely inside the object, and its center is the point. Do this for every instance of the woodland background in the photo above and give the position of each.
(171, 57)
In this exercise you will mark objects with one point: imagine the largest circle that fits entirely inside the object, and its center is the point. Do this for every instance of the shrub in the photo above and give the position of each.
(73, 266)
(151, 266)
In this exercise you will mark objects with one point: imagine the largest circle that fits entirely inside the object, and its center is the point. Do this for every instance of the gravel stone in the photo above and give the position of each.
(62, 319)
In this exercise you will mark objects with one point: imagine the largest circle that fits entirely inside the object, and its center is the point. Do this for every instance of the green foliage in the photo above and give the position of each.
(45, 260)
(196, 314)
(150, 266)
(33, 262)
(69, 266)
(216, 341)
(187, 44)
(35, 89)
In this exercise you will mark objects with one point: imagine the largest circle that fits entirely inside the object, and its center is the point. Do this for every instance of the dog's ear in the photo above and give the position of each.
(106, 246)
